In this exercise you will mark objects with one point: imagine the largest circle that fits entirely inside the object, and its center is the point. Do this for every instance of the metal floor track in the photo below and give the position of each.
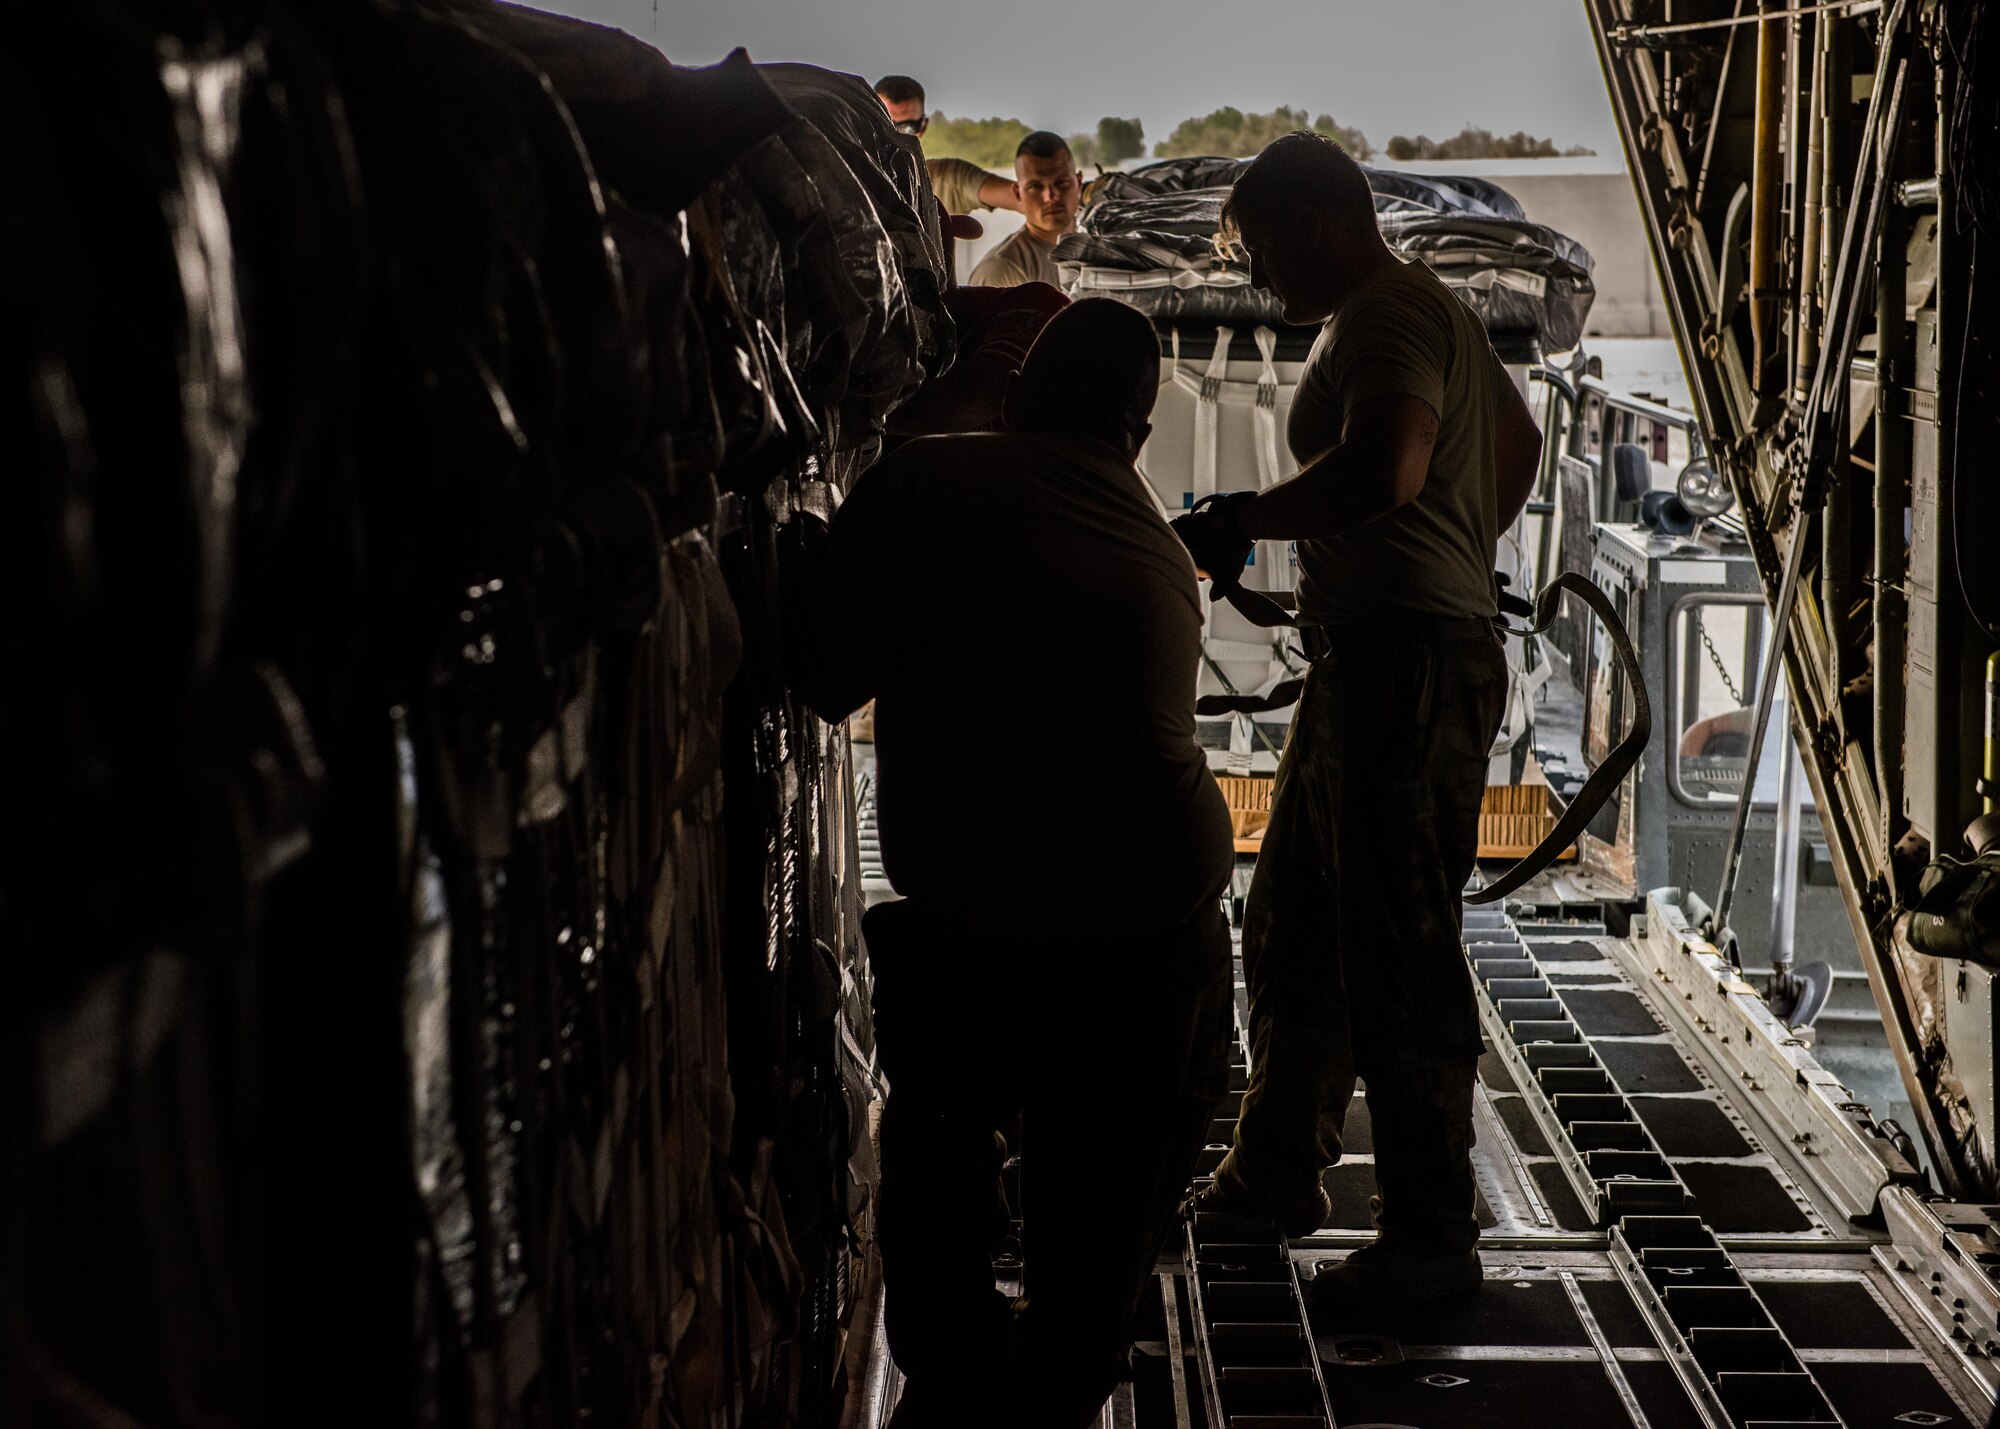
(1686, 1223)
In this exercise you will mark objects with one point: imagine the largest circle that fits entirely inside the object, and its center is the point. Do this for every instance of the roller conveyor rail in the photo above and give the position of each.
(1733, 1359)
(1258, 1365)
(1670, 1234)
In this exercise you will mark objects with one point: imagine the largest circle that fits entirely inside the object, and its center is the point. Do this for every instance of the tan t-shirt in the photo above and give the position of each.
(1023, 258)
(1404, 332)
(956, 182)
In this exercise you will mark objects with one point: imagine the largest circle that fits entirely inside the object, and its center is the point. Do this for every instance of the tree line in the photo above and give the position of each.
(1227, 131)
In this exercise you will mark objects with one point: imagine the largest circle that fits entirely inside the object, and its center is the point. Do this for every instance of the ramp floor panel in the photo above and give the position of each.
(1686, 1110)
(1739, 1199)
(1661, 1399)
(1829, 1314)
(1560, 1197)
(1623, 1325)
(1690, 1126)
(1648, 1067)
(1610, 1012)
(1509, 1311)
(1522, 1126)
(1888, 1396)
(1555, 1334)
(1565, 951)
(1448, 1394)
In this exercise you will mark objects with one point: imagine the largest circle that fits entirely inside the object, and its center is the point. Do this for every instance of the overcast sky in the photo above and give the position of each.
(1385, 66)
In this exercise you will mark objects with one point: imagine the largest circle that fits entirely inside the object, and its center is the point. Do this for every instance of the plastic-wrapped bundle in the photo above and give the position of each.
(1153, 245)
(682, 441)
(823, 311)
(623, 96)
(862, 354)
(1224, 298)
(1140, 250)
(1395, 190)
(1176, 279)
(1521, 278)
(1170, 176)
(767, 420)
(1399, 199)
(658, 132)
(890, 168)
(396, 605)
(1192, 212)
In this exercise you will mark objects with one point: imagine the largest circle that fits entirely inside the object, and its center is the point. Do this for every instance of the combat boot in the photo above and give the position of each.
(1393, 1274)
(1425, 1217)
(1299, 1213)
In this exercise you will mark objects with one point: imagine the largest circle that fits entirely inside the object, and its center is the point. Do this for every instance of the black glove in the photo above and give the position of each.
(1213, 533)
(1510, 604)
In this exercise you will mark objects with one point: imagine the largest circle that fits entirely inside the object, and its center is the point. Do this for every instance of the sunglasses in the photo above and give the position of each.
(913, 127)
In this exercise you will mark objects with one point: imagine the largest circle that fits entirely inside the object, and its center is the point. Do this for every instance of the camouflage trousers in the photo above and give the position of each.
(1351, 935)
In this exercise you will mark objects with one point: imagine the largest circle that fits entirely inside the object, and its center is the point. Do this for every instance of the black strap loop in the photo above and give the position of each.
(1282, 694)
(1597, 790)
(1254, 606)
(1604, 780)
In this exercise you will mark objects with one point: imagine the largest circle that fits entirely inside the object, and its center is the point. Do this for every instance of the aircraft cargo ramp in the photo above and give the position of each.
(1686, 1222)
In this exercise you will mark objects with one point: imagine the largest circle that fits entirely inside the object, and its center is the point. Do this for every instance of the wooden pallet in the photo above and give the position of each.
(1249, 799)
(1513, 818)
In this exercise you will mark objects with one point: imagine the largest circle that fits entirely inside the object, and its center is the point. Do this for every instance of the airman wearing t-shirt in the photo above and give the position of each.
(1415, 452)
(1048, 190)
(960, 184)
(951, 567)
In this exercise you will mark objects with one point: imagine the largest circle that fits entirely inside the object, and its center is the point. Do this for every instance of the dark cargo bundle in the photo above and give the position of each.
(1195, 213)
(1398, 193)
(1395, 191)
(890, 167)
(1148, 238)
(1139, 249)
(814, 185)
(1521, 277)
(380, 372)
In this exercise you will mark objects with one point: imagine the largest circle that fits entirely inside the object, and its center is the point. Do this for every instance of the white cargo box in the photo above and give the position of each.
(1219, 425)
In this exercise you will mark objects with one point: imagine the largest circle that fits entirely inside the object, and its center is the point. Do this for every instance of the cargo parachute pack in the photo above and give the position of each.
(1151, 238)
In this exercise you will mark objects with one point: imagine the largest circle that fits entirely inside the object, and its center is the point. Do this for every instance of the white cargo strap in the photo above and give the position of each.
(1208, 412)
(1238, 652)
(1273, 556)
(1210, 390)
(1267, 410)
(1207, 436)
(1237, 760)
(1139, 463)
